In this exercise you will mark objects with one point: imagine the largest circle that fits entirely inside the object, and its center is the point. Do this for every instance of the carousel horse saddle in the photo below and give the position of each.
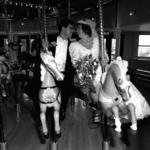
(49, 94)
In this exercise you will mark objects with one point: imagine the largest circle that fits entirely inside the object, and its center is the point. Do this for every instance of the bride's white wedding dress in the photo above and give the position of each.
(78, 51)
(142, 108)
(139, 101)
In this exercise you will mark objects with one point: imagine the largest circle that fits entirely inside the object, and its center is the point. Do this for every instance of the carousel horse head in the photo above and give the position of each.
(114, 88)
(117, 74)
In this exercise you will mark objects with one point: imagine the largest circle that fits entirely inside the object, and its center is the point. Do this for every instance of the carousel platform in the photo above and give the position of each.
(78, 130)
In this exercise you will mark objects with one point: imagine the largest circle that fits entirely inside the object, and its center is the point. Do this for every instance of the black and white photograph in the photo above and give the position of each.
(74, 75)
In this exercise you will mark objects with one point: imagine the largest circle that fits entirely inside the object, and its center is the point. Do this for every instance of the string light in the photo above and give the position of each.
(31, 5)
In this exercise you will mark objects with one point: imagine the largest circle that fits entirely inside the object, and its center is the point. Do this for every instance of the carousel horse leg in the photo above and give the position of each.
(131, 108)
(18, 98)
(115, 111)
(56, 121)
(17, 92)
(4, 88)
(43, 120)
(106, 142)
(55, 127)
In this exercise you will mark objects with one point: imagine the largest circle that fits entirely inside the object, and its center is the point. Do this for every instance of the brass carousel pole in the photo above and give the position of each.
(105, 144)
(2, 135)
(101, 31)
(45, 24)
(6, 17)
(53, 140)
(69, 8)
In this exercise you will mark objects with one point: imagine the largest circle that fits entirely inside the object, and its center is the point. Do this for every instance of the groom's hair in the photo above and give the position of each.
(64, 23)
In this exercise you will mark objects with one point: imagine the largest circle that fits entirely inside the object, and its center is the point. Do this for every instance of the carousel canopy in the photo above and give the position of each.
(13, 9)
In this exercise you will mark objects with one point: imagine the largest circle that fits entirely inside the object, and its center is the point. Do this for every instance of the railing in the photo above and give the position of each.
(142, 77)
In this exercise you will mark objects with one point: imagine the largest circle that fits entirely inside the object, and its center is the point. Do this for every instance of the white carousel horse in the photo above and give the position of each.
(118, 93)
(49, 94)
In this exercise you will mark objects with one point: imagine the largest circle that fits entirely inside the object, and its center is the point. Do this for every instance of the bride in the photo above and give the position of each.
(88, 44)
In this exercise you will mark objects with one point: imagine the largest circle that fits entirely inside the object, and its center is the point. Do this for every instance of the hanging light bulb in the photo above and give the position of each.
(22, 23)
(55, 12)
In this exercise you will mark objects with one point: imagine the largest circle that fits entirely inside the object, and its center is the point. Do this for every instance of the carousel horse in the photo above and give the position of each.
(4, 75)
(120, 97)
(49, 94)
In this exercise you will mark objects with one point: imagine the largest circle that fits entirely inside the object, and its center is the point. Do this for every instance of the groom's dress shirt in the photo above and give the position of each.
(61, 53)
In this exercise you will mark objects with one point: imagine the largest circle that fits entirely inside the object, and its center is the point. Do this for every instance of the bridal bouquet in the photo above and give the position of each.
(85, 71)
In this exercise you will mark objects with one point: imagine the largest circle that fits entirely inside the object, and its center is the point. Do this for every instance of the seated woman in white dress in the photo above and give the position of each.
(119, 96)
(87, 45)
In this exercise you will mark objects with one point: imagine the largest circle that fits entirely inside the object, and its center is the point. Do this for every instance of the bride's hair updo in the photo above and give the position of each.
(85, 27)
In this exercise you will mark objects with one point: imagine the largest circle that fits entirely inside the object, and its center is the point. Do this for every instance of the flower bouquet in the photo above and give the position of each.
(85, 71)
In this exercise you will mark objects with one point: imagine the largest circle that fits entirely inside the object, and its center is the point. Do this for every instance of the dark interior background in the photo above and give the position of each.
(122, 19)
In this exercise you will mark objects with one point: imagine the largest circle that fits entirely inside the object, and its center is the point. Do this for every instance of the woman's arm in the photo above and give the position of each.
(74, 53)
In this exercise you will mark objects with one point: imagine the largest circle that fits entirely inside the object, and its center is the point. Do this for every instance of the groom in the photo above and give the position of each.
(63, 61)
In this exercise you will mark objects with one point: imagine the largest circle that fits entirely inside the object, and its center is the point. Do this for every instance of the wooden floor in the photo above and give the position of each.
(78, 131)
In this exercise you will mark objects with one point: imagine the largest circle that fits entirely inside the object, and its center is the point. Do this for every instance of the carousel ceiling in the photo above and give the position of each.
(13, 9)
